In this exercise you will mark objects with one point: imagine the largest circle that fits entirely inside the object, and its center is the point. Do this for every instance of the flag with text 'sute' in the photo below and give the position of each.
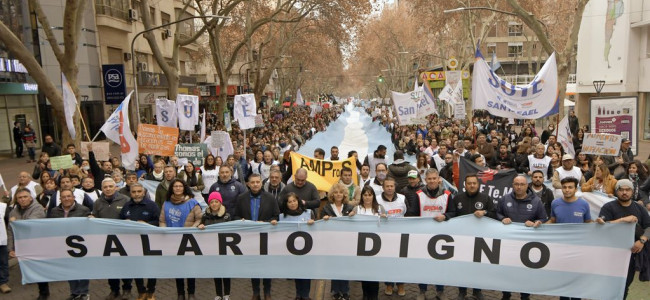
(117, 129)
(69, 105)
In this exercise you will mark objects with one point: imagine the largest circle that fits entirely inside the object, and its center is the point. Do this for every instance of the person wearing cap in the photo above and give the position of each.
(399, 169)
(410, 193)
(354, 192)
(624, 210)
(626, 151)
(216, 213)
(141, 209)
(379, 156)
(568, 169)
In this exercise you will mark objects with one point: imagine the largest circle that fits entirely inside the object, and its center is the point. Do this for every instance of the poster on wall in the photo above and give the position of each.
(615, 115)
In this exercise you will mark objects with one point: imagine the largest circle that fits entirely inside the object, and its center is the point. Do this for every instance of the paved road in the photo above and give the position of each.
(241, 289)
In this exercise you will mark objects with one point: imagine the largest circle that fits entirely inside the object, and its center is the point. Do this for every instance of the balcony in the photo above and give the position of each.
(113, 8)
(151, 79)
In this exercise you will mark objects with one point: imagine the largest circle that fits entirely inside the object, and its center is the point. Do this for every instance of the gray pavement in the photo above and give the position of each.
(241, 288)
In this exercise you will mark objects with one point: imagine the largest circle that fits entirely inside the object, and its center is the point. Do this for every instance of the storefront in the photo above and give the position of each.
(18, 102)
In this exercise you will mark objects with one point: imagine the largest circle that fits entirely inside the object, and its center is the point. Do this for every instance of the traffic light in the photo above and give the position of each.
(380, 79)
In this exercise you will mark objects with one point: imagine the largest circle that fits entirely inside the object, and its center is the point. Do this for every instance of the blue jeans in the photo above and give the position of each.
(79, 287)
(32, 152)
(4, 264)
(341, 286)
(303, 287)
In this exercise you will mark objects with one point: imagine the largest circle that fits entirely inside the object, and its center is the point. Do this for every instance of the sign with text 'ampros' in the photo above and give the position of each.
(157, 140)
(114, 83)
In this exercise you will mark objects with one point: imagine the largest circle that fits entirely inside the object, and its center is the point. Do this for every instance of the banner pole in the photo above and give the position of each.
(84, 123)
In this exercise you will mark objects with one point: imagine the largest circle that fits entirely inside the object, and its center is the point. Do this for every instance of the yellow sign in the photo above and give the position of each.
(440, 75)
(322, 173)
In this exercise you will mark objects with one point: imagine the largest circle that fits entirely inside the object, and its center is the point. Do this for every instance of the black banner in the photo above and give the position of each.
(494, 183)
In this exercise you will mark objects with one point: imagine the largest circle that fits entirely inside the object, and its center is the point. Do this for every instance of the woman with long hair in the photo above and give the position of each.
(602, 181)
(369, 206)
(209, 173)
(293, 210)
(636, 172)
(577, 140)
(338, 206)
(181, 210)
(193, 178)
(422, 164)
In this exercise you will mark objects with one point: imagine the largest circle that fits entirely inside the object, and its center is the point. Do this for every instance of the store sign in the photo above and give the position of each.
(114, 83)
(12, 88)
(12, 65)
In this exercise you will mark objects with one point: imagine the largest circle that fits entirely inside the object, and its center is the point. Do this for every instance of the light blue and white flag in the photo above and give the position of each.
(245, 110)
(118, 129)
(299, 99)
(477, 252)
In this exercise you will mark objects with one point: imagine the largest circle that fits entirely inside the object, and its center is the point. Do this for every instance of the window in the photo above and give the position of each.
(515, 49)
(515, 29)
(152, 15)
(491, 48)
(114, 8)
(164, 19)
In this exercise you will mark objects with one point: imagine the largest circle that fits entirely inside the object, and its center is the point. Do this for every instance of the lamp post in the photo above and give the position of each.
(494, 10)
(135, 75)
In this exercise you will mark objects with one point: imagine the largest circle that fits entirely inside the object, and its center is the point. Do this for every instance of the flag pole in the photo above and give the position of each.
(84, 124)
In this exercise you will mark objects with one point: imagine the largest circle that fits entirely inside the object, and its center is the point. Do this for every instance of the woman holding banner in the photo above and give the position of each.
(181, 199)
(216, 213)
(293, 210)
(338, 206)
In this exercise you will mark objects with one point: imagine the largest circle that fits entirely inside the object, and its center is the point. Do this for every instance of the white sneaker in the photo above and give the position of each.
(226, 297)
(217, 298)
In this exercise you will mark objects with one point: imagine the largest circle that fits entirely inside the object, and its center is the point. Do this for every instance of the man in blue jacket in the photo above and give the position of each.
(229, 188)
(141, 209)
(521, 206)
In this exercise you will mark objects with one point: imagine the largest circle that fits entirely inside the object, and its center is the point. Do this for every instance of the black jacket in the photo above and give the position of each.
(547, 197)
(146, 211)
(98, 173)
(269, 209)
(467, 204)
(507, 162)
(329, 211)
(410, 196)
(210, 218)
(399, 172)
(76, 211)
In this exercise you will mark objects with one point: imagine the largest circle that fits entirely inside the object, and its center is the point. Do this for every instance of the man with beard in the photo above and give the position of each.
(624, 210)
(484, 148)
(540, 190)
(274, 185)
(479, 204)
(334, 153)
(504, 159)
(377, 157)
(364, 175)
(169, 174)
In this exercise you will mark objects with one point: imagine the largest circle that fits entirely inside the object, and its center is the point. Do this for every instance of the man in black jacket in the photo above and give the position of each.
(98, 173)
(537, 187)
(50, 146)
(399, 169)
(410, 192)
(18, 139)
(260, 206)
(504, 159)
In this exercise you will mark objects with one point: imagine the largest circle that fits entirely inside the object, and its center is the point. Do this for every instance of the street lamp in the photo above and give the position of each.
(135, 75)
(494, 10)
(599, 85)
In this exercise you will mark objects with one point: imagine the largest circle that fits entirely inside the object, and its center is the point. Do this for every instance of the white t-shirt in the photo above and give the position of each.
(210, 177)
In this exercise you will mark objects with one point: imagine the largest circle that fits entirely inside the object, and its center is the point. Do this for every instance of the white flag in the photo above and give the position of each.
(564, 136)
(117, 129)
(220, 144)
(446, 94)
(405, 107)
(2, 182)
(245, 110)
(458, 101)
(188, 111)
(203, 127)
(166, 113)
(69, 105)
(299, 99)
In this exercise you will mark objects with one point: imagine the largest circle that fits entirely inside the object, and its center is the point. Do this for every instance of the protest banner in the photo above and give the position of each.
(483, 252)
(494, 183)
(100, 149)
(157, 140)
(601, 144)
(61, 162)
(535, 100)
(194, 153)
(405, 107)
(323, 173)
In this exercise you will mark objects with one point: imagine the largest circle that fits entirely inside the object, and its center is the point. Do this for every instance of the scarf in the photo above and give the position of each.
(177, 199)
(351, 187)
(157, 176)
(295, 212)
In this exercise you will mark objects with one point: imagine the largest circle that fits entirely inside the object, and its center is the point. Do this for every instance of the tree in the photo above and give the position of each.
(72, 21)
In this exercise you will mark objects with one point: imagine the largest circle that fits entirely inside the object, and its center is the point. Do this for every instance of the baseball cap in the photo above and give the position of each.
(567, 157)
(624, 140)
(624, 183)
(412, 174)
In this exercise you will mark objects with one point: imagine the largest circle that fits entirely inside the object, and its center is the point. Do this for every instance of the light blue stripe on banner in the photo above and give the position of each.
(581, 234)
(476, 275)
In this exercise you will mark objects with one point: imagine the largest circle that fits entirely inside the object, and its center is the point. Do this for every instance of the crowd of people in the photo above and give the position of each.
(257, 183)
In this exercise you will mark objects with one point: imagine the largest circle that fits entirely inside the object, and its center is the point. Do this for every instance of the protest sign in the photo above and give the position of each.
(494, 183)
(194, 153)
(100, 149)
(601, 144)
(157, 140)
(485, 253)
(61, 162)
(323, 173)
